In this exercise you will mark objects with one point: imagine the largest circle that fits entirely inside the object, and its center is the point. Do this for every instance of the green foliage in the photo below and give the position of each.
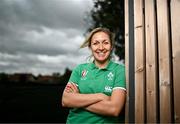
(109, 14)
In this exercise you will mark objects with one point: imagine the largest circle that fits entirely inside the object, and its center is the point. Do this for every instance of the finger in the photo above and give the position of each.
(75, 88)
(68, 88)
(70, 85)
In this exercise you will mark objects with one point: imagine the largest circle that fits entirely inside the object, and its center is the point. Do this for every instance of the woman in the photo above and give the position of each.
(96, 90)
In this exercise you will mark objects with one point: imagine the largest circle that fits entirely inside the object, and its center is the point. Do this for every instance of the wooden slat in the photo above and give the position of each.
(127, 59)
(139, 62)
(164, 61)
(151, 62)
(175, 27)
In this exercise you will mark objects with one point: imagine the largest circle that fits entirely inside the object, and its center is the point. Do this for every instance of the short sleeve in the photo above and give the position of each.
(120, 82)
(75, 75)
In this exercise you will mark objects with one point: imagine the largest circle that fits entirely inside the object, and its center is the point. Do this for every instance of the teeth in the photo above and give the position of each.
(101, 53)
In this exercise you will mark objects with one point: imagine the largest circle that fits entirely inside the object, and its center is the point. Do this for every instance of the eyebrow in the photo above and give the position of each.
(100, 41)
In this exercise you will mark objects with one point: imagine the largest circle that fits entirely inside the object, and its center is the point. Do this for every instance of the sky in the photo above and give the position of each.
(42, 36)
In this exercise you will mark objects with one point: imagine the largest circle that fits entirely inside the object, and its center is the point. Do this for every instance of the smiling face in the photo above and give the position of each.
(101, 48)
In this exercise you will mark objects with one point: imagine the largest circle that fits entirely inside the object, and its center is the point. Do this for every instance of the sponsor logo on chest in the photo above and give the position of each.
(108, 89)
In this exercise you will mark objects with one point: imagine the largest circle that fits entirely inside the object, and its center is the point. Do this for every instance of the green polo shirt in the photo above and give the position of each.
(91, 79)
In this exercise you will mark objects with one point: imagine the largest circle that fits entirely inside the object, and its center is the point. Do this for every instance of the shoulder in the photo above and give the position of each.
(118, 65)
(81, 66)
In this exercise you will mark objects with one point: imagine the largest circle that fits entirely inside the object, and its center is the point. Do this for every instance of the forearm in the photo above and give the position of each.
(77, 100)
(111, 107)
(103, 108)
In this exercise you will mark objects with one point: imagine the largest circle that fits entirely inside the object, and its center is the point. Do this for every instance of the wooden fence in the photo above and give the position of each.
(152, 40)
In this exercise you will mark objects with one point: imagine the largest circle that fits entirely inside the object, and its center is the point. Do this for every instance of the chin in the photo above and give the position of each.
(101, 60)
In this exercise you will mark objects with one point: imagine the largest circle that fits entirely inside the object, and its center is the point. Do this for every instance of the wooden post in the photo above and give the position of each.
(151, 62)
(175, 28)
(127, 59)
(139, 62)
(164, 61)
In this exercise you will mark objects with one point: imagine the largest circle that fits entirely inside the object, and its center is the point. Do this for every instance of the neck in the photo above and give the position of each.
(101, 65)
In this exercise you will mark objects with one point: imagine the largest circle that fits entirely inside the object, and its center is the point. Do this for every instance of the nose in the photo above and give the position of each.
(101, 47)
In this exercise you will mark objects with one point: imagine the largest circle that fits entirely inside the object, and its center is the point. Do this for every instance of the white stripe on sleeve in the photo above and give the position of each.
(74, 83)
(122, 88)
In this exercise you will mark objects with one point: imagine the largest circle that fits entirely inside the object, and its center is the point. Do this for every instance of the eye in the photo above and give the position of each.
(106, 42)
(95, 43)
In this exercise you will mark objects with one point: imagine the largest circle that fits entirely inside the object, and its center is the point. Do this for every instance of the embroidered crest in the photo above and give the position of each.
(84, 73)
(110, 76)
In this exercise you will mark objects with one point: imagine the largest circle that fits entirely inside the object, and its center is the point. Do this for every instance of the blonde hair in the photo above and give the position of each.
(87, 41)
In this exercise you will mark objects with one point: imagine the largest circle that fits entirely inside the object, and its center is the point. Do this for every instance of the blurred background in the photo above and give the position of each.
(39, 47)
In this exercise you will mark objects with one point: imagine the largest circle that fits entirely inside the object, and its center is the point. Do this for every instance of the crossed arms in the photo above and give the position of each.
(98, 103)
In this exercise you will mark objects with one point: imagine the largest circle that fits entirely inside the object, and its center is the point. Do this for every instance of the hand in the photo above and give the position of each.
(71, 88)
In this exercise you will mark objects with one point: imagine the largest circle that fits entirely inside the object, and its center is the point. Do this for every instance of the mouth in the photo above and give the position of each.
(101, 54)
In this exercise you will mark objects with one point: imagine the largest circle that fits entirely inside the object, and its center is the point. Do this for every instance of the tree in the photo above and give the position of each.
(65, 77)
(3, 78)
(109, 14)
